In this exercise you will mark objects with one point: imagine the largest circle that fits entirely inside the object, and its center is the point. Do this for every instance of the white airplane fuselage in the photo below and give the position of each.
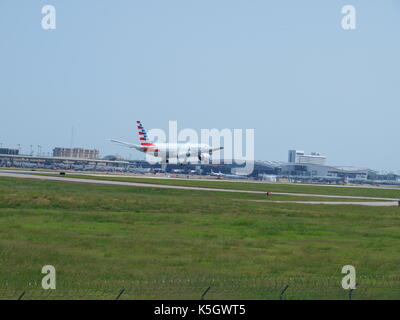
(181, 152)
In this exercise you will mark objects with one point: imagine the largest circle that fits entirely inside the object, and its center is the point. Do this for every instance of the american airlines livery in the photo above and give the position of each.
(182, 152)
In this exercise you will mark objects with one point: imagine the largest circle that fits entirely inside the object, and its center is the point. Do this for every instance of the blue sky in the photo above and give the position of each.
(285, 68)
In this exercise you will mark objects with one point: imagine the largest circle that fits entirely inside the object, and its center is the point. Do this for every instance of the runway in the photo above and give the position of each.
(373, 202)
(361, 203)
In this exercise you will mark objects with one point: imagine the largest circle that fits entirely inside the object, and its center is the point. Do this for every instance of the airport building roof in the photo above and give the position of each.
(50, 158)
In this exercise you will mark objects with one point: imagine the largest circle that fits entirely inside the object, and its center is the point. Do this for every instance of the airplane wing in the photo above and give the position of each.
(126, 144)
(216, 149)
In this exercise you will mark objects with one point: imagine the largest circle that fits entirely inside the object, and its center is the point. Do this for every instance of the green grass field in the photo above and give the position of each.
(393, 193)
(165, 243)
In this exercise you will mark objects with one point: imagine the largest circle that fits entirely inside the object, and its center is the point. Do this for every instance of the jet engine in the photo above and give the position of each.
(204, 156)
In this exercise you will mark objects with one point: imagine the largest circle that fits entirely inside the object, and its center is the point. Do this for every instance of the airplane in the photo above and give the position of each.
(140, 170)
(224, 175)
(182, 152)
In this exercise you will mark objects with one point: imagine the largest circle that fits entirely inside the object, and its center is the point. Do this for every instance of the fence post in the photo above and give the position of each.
(21, 295)
(351, 292)
(120, 294)
(281, 297)
(204, 293)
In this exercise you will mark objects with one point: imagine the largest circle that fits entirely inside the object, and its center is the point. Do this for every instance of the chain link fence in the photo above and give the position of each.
(196, 289)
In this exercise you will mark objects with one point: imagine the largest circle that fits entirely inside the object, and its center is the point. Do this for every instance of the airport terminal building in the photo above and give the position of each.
(80, 153)
(9, 151)
(300, 167)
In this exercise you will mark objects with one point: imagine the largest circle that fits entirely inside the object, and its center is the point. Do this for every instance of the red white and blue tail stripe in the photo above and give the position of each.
(143, 135)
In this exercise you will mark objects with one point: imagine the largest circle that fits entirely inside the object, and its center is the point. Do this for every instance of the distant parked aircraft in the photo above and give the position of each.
(140, 170)
(182, 152)
(224, 175)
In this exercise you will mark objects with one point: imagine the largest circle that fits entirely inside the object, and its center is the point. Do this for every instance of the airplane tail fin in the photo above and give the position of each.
(142, 134)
